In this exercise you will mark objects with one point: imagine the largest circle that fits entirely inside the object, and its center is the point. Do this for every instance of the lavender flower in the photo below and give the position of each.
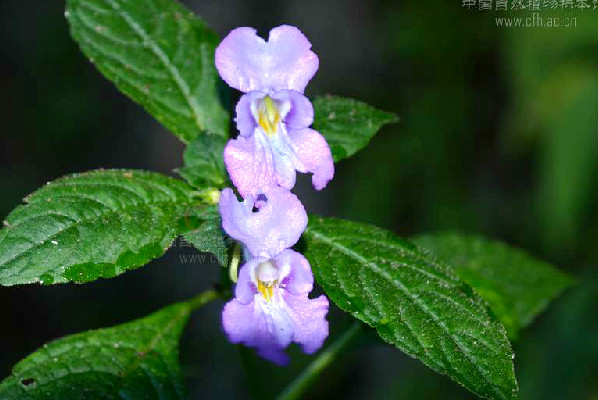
(271, 307)
(273, 116)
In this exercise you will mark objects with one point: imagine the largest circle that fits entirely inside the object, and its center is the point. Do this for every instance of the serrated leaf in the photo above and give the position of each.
(96, 224)
(208, 236)
(414, 302)
(136, 360)
(516, 285)
(204, 165)
(159, 54)
(347, 124)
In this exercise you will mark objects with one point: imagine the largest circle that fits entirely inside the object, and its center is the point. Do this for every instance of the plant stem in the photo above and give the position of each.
(234, 263)
(302, 382)
(203, 298)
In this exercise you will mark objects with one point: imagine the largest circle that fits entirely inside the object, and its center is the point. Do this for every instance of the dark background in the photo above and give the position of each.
(498, 136)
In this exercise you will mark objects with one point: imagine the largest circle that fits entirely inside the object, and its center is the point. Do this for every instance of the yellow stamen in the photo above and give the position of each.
(266, 289)
(268, 116)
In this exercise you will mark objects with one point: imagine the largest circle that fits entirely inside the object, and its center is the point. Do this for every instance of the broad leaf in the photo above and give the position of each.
(96, 224)
(516, 285)
(414, 302)
(204, 165)
(207, 235)
(136, 360)
(159, 54)
(347, 124)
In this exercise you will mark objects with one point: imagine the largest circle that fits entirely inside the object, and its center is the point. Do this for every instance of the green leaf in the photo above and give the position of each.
(516, 285)
(204, 165)
(414, 302)
(136, 360)
(159, 54)
(96, 224)
(347, 124)
(208, 236)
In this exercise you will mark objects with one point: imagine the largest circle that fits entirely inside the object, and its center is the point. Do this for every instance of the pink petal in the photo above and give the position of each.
(247, 62)
(313, 155)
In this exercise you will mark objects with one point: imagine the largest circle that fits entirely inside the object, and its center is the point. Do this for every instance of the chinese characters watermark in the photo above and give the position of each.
(529, 5)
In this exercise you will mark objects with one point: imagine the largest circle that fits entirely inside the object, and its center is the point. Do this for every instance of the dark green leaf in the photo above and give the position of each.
(516, 285)
(204, 165)
(96, 224)
(159, 54)
(414, 302)
(347, 124)
(208, 236)
(136, 360)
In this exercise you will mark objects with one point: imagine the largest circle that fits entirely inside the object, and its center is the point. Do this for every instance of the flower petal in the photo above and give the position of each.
(312, 155)
(283, 156)
(249, 162)
(245, 289)
(274, 227)
(245, 120)
(247, 62)
(298, 278)
(247, 324)
(301, 111)
(309, 316)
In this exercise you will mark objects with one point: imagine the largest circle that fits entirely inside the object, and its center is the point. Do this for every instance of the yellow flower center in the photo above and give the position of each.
(268, 115)
(267, 279)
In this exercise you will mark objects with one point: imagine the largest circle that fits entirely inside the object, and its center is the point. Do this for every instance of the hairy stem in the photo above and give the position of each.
(303, 381)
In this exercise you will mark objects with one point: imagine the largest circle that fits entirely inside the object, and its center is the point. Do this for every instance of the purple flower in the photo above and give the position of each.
(272, 308)
(273, 116)
(267, 223)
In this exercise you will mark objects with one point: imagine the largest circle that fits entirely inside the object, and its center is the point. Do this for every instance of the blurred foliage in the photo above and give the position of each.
(498, 136)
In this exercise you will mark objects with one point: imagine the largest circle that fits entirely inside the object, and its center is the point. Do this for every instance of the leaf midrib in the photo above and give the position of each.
(170, 67)
(415, 299)
(77, 222)
(130, 366)
(183, 313)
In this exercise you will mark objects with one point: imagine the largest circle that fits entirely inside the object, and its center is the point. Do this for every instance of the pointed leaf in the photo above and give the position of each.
(208, 236)
(159, 54)
(136, 360)
(204, 165)
(414, 302)
(347, 124)
(516, 285)
(96, 224)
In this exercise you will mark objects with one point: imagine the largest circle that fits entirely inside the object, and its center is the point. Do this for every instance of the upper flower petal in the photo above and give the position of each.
(247, 62)
(266, 232)
(312, 155)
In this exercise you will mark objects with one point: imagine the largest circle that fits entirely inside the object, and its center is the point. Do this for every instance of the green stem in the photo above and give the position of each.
(234, 263)
(302, 382)
(203, 298)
